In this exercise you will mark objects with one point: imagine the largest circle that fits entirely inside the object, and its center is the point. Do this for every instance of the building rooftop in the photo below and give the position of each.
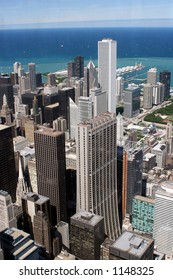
(48, 131)
(145, 199)
(36, 198)
(54, 105)
(130, 245)
(3, 126)
(86, 218)
(159, 147)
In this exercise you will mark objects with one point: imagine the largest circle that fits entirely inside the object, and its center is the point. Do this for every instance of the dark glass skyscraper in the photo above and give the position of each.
(50, 166)
(79, 66)
(8, 179)
(165, 78)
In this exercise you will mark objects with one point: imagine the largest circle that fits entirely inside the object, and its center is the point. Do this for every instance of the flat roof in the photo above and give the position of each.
(3, 126)
(84, 217)
(130, 243)
(144, 199)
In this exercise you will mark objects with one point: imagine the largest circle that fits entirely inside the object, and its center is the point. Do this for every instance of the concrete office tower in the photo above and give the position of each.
(132, 246)
(71, 70)
(7, 218)
(99, 101)
(18, 245)
(107, 56)
(51, 79)
(73, 118)
(31, 204)
(41, 230)
(148, 96)
(16, 66)
(165, 78)
(24, 85)
(32, 76)
(86, 235)
(152, 76)
(163, 219)
(79, 66)
(143, 214)
(120, 130)
(132, 176)
(158, 93)
(84, 109)
(50, 166)
(119, 89)
(90, 78)
(131, 101)
(96, 170)
(8, 180)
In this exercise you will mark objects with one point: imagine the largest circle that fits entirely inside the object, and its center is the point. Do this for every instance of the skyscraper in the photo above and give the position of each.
(79, 66)
(165, 78)
(163, 218)
(96, 170)
(50, 166)
(90, 78)
(32, 76)
(107, 56)
(152, 76)
(132, 176)
(131, 101)
(8, 179)
(86, 235)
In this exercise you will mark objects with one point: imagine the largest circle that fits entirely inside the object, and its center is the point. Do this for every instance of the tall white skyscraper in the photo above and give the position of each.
(96, 170)
(107, 60)
(163, 219)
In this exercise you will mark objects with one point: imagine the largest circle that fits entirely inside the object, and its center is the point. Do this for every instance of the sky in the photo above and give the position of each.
(81, 13)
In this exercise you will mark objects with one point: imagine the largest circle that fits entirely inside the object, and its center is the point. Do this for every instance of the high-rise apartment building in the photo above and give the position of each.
(50, 166)
(152, 76)
(163, 219)
(96, 170)
(86, 235)
(7, 218)
(32, 76)
(165, 78)
(148, 96)
(8, 179)
(107, 56)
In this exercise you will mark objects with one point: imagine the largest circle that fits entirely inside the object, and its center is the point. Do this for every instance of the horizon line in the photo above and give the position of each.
(163, 22)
